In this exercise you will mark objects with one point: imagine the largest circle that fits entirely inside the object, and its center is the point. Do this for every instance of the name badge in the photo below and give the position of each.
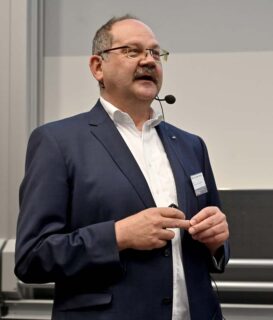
(199, 184)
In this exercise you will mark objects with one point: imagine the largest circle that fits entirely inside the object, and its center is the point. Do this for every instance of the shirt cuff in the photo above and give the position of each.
(218, 259)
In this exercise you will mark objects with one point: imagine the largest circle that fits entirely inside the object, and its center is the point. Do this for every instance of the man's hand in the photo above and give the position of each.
(147, 229)
(210, 227)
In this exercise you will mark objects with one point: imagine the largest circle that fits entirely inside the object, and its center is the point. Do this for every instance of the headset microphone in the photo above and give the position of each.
(170, 99)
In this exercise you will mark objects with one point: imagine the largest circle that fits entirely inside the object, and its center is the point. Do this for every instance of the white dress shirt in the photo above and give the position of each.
(151, 157)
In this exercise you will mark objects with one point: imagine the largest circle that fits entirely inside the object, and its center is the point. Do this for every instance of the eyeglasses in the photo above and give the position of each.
(134, 52)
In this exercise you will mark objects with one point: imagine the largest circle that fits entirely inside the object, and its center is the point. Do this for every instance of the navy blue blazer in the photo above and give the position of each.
(80, 178)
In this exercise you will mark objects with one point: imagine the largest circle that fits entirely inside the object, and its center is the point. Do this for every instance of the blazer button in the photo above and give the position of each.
(167, 300)
(166, 252)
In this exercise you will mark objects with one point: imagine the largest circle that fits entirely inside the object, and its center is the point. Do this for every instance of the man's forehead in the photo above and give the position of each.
(130, 28)
(130, 21)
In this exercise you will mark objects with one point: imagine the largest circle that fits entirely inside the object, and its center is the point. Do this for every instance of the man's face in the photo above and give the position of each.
(131, 79)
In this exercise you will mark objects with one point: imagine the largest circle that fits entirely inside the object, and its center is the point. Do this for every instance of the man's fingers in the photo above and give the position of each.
(148, 229)
(204, 214)
(206, 219)
(173, 218)
(166, 234)
(172, 213)
(212, 232)
(205, 224)
(216, 238)
(175, 223)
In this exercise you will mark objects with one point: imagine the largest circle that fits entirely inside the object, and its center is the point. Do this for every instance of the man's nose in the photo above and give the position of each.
(147, 58)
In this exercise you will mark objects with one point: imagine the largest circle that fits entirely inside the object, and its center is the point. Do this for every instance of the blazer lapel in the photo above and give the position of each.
(179, 157)
(103, 128)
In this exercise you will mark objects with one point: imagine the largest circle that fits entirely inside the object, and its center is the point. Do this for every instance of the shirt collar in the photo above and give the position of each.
(123, 118)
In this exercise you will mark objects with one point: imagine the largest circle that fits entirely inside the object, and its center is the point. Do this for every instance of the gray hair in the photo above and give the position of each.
(103, 38)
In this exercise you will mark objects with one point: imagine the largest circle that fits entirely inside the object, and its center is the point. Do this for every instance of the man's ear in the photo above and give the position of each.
(95, 65)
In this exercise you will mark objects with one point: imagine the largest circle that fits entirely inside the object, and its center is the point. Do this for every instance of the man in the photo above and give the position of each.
(118, 208)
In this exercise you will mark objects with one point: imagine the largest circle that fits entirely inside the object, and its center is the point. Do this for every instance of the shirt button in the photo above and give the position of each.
(167, 300)
(166, 252)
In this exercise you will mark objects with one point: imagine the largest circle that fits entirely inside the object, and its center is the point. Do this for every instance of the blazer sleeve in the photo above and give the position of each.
(46, 249)
(218, 262)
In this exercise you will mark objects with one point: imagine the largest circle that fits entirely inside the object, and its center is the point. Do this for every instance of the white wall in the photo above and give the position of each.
(13, 110)
(4, 111)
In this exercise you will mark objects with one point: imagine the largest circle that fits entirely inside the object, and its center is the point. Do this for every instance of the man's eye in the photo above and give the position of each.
(133, 52)
(156, 53)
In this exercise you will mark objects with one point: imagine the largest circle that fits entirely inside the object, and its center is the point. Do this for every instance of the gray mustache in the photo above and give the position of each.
(145, 71)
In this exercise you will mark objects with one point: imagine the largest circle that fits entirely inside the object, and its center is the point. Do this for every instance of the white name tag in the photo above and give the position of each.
(199, 184)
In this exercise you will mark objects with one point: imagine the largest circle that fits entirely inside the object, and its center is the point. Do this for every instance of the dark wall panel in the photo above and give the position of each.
(250, 217)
